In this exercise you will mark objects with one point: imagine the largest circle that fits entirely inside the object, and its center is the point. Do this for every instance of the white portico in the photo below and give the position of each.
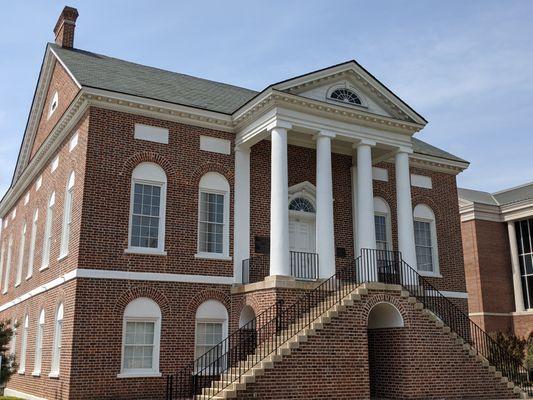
(357, 116)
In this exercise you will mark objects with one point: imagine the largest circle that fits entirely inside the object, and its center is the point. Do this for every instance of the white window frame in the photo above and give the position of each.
(58, 335)
(142, 309)
(8, 265)
(67, 216)
(215, 183)
(148, 173)
(52, 108)
(48, 232)
(210, 311)
(382, 209)
(20, 264)
(13, 344)
(39, 338)
(2, 254)
(24, 345)
(33, 238)
(423, 213)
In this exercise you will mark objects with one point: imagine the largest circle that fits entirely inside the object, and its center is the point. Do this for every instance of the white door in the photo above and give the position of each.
(302, 244)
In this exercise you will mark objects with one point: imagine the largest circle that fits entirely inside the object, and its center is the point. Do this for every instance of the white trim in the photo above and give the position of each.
(139, 375)
(455, 295)
(66, 68)
(119, 275)
(491, 314)
(22, 395)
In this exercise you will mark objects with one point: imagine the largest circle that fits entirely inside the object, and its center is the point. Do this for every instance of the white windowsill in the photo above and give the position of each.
(43, 268)
(53, 374)
(17, 284)
(29, 277)
(36, 373)
(62, 257)
(429, 274)
(150, 252)
(21, 371)
(213, 256)
(139, 375)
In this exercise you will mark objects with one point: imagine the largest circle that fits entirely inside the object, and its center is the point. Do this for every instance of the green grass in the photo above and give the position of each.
(9, 398)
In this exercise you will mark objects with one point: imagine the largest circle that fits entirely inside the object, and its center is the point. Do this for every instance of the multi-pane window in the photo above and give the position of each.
(39, 345)
(141, 337)
(47, 242)
(346, 96)
(139, 345)
(145, 216)
(67, 216)
(56, 351)
(208, 336)
(8, 265)
(24, 345)
(211, 226)
(524, 237)
(380, 223)
(33, 238)
(424, 248)
(21, 255)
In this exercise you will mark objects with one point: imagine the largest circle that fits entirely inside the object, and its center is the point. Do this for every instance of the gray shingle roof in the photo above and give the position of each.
(501, 198)
(108, 73)
(476, 196)
(102, 72)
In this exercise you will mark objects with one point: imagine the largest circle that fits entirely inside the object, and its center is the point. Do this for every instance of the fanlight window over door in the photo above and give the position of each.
(346, 96)
(302, 205)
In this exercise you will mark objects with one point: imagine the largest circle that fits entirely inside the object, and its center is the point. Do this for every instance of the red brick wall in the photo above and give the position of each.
(67, 91)
(112, 155)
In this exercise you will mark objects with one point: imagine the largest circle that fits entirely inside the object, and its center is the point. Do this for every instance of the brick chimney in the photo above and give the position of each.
(65, 26)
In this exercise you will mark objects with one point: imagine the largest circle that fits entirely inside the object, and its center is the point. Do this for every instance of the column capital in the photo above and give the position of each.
(242, 148)
(279, 124)
(324, 133)
(403, 149)
(363, 142)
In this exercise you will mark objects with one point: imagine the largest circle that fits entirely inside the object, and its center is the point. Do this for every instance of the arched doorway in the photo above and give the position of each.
(248, 333)
(385, 326)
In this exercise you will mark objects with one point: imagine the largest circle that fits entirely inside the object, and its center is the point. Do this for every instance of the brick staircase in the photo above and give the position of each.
(232, 368)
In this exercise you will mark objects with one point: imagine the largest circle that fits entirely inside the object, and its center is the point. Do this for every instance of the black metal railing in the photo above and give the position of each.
(304, 265)
(232, 358)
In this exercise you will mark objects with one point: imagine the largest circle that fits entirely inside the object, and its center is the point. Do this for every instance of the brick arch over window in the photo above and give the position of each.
(202, 169)
(251, 302)
(142, 291)
(372, 300)
(417, 200)
(149, 156)
(208, 294)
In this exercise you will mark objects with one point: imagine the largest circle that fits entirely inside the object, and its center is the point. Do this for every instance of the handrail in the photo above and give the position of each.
(227, 362)
(304, 266)
(459, 322)
(236, 355)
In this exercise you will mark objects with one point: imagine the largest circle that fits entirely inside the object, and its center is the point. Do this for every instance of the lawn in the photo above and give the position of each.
(9, 398)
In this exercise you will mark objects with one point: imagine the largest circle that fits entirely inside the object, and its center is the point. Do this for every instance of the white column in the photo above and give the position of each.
(366, 234)
(241, 213)
(325, 236)
(279, 199)
(406, 234)
(517, 277)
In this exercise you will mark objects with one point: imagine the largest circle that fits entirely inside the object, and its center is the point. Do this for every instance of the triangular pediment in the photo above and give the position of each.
(373, 95)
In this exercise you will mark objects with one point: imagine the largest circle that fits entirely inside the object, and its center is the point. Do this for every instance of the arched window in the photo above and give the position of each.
(39, 344)
(56, 351)
(345, 95)
(24, 345)
(211, 329)
(141, 338)
(8, 264)
(47, 242)
(213, 216)
(147, 209)
(382, 223)
(33, 238)
(301, 204)
(22, 244)
(67, 216)
(427, 259)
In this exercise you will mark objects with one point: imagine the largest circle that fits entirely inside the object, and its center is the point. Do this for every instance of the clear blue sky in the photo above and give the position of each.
(467, 66)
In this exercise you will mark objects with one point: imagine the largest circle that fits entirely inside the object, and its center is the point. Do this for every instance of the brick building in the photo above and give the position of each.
(296, 242)
(497, 235)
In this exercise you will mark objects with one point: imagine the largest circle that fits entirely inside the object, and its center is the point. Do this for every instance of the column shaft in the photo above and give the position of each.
(406, 236)
(242, 211)
(366, 234)
(325, 240)
(517, 276)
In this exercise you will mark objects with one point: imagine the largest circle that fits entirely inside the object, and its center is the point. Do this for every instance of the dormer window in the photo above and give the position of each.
(346, 96)
(53, 104)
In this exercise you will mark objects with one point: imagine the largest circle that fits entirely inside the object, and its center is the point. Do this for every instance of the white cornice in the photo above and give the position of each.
(437, 164)
(495, 213)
